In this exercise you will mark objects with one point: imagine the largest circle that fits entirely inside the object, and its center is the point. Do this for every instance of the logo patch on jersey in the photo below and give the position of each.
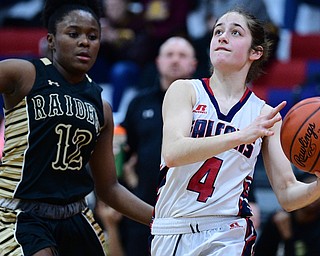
(201, 109)
(234, 225)
(148, 113)
(53, 83)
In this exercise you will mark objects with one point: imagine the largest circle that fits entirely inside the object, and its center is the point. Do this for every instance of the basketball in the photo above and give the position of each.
(300, 135)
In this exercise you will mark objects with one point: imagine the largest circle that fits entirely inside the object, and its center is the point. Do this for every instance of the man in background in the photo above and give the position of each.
(143, 124)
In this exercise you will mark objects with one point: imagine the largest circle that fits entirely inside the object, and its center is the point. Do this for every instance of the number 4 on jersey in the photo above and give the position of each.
(202, 182)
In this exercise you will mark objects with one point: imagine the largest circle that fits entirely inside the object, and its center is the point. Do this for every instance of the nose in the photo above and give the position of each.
(83, 41)
(223, 38)
(175, 57)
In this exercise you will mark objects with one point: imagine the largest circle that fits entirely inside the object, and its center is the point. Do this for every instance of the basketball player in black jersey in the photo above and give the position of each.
(56, 123)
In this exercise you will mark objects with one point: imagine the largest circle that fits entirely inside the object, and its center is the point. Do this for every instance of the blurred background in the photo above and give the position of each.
(133, 30)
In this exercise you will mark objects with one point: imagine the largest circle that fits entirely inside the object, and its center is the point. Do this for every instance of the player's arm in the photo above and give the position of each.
(290, 193)
(16, 80)
(179, 148)
(107, 186)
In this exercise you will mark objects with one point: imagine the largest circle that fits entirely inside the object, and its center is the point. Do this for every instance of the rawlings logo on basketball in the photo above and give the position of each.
(300, 135)
(307, 148)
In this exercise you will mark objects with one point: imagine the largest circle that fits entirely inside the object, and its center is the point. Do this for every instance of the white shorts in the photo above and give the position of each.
(232, 237)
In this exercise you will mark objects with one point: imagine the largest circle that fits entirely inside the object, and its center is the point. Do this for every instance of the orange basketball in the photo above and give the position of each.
(300, 135)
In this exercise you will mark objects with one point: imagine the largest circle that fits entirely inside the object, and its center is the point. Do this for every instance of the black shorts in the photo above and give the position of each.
(27, 232)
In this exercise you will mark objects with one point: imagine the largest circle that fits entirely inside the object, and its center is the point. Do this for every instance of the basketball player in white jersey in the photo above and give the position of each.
(213, 131)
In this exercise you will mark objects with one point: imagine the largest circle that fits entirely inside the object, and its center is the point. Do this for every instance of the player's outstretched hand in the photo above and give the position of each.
(262, 125)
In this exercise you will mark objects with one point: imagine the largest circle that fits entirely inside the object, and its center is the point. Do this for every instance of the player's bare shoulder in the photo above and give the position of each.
(181, 88)
(15, 72)
(17, 78)
(180, 85)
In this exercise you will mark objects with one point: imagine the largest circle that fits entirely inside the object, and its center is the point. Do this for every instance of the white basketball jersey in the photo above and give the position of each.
(218, 186)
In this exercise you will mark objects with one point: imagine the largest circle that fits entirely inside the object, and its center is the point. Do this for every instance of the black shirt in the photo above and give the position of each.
(143, 123)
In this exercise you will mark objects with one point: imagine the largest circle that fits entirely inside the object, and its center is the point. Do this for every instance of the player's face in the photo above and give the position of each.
(76, 43)
(176, 60)
(231, 42)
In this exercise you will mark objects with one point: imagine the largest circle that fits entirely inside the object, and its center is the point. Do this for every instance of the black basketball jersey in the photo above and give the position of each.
(49, 137)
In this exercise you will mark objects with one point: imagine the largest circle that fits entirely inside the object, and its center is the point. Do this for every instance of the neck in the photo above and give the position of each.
(228, 86)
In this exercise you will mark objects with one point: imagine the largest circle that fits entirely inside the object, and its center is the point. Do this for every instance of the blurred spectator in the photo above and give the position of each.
(143, 123)
(292, 234)
(301, 17)
(201, 19)
(291, 10)
(165, 18)
(123, 49)
(21, 13)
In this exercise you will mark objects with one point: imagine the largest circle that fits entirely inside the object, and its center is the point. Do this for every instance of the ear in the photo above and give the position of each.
(51, 43)
(256, 54)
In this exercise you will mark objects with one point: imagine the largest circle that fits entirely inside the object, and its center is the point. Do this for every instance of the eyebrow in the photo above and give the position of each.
(73, 26)
(76, 27)
(234, 24)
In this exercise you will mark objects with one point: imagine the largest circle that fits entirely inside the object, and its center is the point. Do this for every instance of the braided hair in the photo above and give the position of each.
(55, 10)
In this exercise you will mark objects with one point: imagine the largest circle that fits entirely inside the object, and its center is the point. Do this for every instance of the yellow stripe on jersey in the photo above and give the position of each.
(97, 229)
(46, 61)
(16, 135)
(8, 244)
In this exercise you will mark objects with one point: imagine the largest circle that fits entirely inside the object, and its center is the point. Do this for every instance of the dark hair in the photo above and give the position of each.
(55, 10)
(259, 39)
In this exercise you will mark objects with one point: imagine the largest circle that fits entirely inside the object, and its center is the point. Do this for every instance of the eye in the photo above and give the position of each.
(183, 56)
(73, 34)
(217, 32)
(236, 33)
(169, 54)
(92, 37)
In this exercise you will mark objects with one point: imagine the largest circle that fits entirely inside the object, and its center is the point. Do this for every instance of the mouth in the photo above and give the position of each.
(222, 49)
(84, 56)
